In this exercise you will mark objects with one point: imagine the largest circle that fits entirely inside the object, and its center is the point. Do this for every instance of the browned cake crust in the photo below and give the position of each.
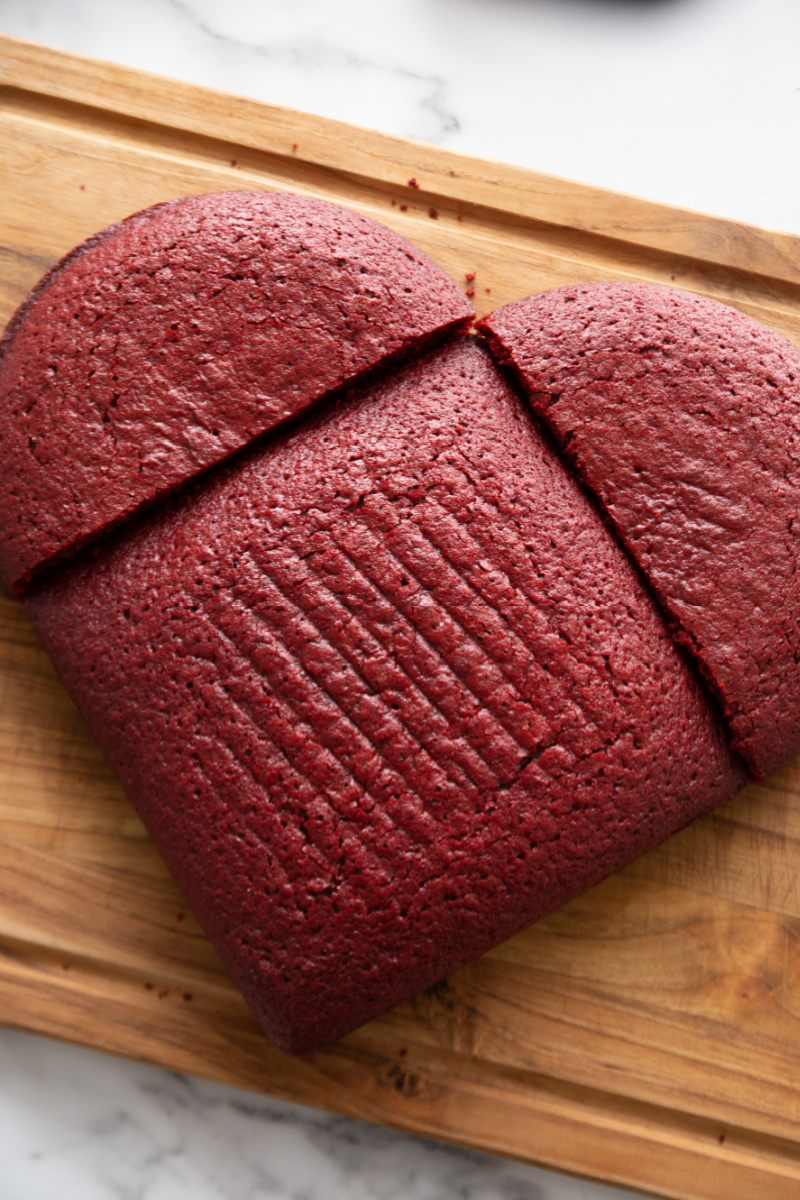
(683, 416)
(169, 340)
(384, 692)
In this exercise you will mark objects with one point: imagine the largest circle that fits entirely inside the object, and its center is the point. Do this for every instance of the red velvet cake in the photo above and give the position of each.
(683, 416)
(384, 690)
(383, 685)
(169, 340)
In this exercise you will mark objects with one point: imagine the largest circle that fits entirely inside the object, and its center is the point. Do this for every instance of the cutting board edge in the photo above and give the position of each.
(684, 1163)
(349, 149)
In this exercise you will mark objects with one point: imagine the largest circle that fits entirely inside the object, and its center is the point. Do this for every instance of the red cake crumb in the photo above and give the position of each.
(683, 415)
(167, 341)
(384, 691)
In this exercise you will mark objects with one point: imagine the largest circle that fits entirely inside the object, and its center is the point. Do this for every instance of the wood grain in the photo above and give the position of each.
(647, 1034)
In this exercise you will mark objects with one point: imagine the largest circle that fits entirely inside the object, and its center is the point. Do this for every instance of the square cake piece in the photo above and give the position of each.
(384, 689)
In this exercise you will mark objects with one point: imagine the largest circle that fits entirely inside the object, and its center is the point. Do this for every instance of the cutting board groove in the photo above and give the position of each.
(647, 1034)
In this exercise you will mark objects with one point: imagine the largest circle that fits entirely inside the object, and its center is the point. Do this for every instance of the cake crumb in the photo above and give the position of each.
(413, 183)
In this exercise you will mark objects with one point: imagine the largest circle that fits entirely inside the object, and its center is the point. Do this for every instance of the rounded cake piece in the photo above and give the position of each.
(383, 691)
(683, 416)
(169, 340)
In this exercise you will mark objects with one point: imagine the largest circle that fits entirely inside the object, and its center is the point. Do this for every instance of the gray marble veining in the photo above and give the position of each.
(691, 102)
(78, 1125)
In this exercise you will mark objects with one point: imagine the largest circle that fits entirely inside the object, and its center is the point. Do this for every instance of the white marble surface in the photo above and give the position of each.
(691, 102)
(76, 1125)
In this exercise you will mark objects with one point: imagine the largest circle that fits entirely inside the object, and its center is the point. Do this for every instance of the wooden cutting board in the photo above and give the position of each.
(648, 1033)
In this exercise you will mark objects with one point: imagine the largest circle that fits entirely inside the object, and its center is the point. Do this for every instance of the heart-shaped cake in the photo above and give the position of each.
(384, 680)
